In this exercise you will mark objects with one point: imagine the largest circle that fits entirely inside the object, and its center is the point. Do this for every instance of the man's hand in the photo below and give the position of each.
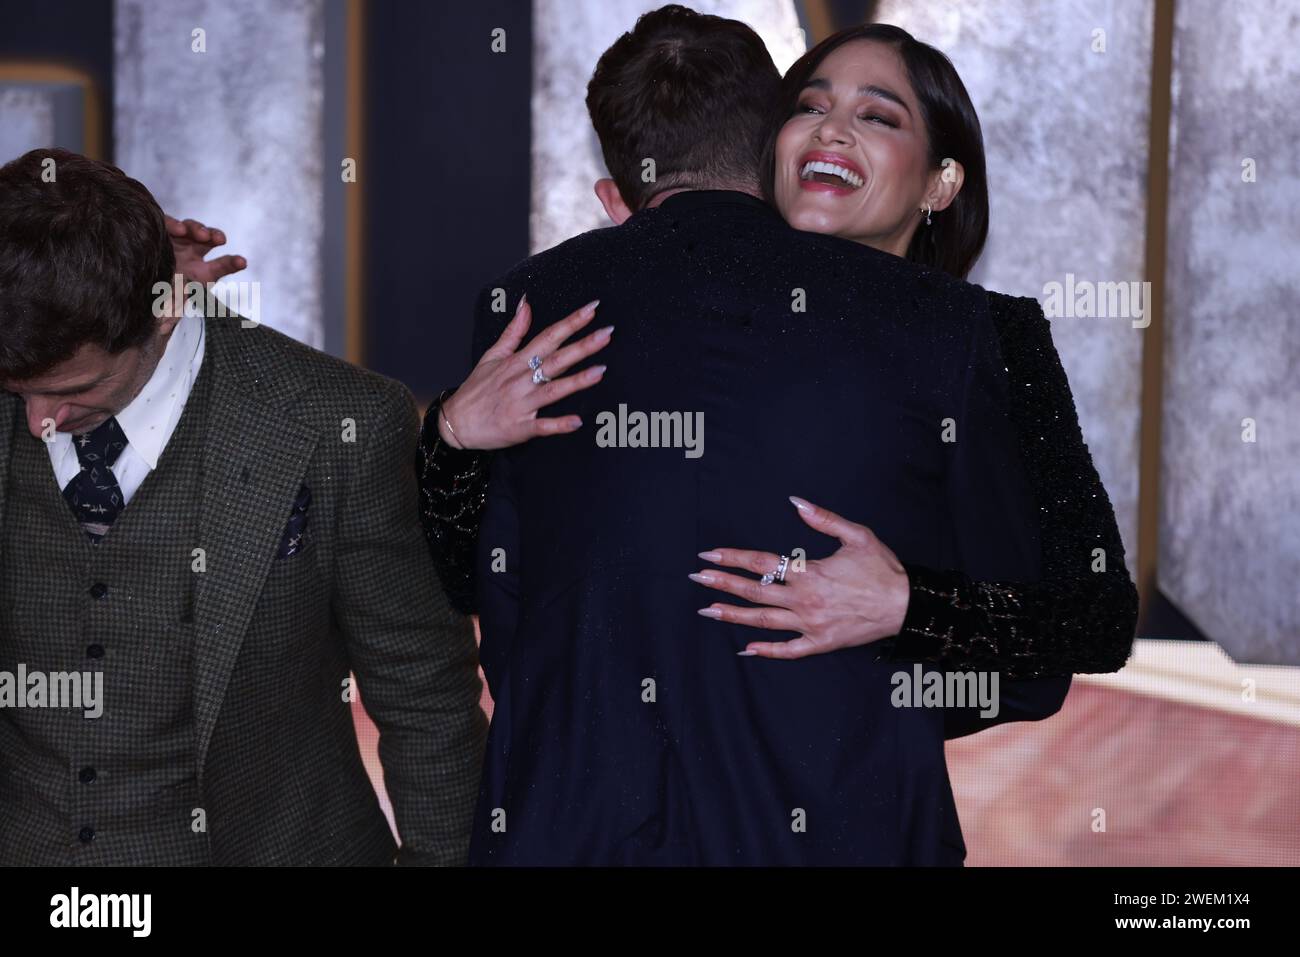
(191, 242)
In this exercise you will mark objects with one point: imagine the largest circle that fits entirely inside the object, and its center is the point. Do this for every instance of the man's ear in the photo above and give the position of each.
(169, 306)
(609, 196)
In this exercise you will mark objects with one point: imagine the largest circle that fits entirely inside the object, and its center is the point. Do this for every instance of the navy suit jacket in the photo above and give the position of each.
(627, 730)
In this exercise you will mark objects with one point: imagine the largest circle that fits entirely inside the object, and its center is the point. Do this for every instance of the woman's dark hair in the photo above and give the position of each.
(81, 247)
(690, 91)
(955, 239)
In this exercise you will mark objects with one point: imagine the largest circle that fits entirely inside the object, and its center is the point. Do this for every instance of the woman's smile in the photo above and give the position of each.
(822, 171)
(853, 156)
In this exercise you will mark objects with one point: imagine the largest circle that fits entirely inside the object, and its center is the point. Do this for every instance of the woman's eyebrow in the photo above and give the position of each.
(883, 93)
(870, 89)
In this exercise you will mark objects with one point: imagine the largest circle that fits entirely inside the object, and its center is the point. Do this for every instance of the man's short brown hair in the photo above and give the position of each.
(81, 247)
(690, 91)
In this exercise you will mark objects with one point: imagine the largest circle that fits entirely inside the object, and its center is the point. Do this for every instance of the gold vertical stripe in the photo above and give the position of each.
(1162, 63)
(820, 21)
(354, 193)
(92, 116)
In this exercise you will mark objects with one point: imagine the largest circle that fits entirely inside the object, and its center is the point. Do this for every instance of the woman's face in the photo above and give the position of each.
(853, 159)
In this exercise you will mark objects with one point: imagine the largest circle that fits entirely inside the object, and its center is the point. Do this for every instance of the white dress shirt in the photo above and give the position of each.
(149, 421)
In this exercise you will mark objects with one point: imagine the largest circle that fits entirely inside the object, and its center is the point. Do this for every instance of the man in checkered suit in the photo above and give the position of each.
(219, 525)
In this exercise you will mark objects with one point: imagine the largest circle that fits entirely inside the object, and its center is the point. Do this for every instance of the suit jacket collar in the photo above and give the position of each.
(256, 451)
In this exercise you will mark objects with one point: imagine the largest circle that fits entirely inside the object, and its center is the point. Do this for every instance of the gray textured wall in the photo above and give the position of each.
(34, 115)
(234, 136)
(1230, 509)
(1065, 133)
(26, 120)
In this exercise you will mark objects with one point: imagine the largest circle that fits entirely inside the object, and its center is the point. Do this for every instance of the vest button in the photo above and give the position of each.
(95, 651)
(87, 775)
(98, 590)
(86, 835)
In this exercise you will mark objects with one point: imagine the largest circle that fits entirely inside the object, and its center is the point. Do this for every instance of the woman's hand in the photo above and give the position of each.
(496, 407)
(857, 596)
(191, 241)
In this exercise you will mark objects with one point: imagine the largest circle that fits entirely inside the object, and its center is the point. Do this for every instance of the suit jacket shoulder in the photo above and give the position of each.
(321, 386)
(562, 266)
(866, 270)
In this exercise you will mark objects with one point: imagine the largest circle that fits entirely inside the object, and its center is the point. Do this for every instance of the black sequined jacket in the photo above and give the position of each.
(1074, 620)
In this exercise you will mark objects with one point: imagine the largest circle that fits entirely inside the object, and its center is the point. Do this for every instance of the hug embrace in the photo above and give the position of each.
(742, 651)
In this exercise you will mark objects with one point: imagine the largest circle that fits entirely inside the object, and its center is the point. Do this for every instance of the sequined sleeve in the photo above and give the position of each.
(1080, 617)
(453, 489)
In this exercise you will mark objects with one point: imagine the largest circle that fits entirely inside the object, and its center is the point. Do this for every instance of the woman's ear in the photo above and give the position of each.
(609, 196)
(945, 184)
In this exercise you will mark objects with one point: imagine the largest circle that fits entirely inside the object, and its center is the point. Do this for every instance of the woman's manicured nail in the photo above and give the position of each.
(800, 504)
(704, 578)
(711, 613)
(598, 371)
(607, 331)
(711, 556)
(746, 654)
(522, 300)
(589, 309)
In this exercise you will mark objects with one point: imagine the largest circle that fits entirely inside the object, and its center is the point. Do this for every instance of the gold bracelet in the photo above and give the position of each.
(457, 444)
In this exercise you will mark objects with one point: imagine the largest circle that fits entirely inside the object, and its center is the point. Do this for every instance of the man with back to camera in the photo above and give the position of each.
(626, 729)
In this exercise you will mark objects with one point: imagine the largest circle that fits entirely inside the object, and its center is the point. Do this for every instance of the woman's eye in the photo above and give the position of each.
(877, 118)
(807, 108)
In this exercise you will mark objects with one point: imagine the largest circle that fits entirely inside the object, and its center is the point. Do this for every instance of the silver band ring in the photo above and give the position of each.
(539, 377)
(779, 574)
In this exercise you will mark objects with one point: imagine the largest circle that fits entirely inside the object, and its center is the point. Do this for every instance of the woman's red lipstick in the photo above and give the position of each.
(834, 159)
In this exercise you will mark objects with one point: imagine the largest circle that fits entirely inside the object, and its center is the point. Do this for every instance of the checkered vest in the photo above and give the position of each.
(119, 788)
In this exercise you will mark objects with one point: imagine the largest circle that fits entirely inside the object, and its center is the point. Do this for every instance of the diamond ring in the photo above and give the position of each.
(779, 574)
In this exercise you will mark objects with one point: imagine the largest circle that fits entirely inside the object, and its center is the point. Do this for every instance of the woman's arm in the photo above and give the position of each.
(1073, 620)
(1081, 616)
(453, 488)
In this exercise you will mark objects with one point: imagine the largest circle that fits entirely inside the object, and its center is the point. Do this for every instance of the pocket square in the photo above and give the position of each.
(292, 541)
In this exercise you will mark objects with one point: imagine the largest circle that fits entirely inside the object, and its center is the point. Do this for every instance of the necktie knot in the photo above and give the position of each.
(93, 494)
(100, 447)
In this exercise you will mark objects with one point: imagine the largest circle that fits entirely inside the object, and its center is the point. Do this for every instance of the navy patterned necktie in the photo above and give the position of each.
(94, 495)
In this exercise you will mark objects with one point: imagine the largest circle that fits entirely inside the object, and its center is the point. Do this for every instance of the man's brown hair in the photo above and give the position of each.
(690, 91)
(81, 247)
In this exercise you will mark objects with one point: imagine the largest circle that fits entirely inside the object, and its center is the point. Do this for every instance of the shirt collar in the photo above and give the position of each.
(146, 419)
(697, 198)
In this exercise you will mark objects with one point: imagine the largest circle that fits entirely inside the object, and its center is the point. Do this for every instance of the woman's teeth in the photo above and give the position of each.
(830, 169)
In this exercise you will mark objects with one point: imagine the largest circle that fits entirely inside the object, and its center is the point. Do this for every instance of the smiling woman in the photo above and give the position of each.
(875, 103)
